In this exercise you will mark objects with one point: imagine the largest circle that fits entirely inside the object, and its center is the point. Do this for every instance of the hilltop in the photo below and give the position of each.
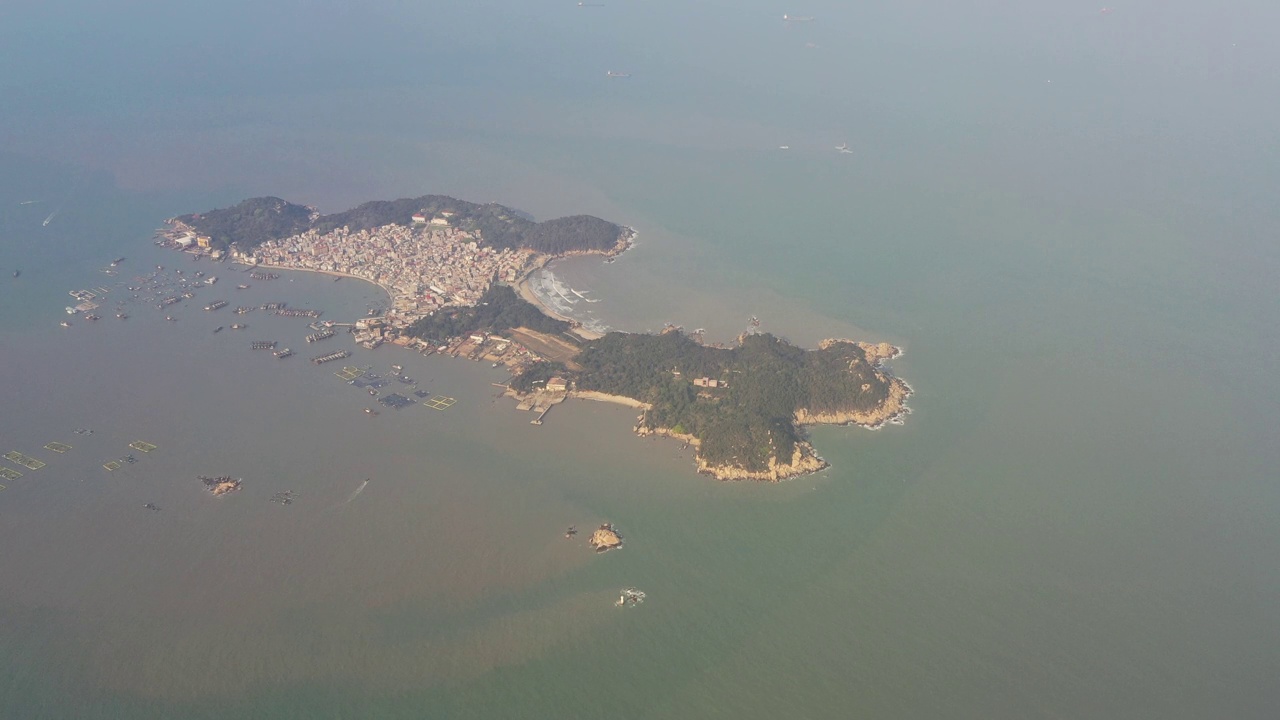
(258, 220)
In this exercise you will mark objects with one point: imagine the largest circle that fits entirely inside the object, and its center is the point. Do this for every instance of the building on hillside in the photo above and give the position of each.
(557, 384)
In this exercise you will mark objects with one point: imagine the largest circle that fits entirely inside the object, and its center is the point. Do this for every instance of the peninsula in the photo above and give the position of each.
(452, 270)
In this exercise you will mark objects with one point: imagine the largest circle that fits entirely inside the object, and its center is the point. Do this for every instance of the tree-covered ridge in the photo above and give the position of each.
(255, 221)
(251, 223)
(751, 417)
(499, 310)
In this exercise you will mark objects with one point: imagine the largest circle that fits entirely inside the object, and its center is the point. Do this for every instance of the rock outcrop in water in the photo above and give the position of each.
(220, 485)
(605, 538)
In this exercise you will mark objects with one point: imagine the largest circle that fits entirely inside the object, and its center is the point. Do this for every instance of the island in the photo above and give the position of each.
(220, 485)
(456, 274)
(605, 538)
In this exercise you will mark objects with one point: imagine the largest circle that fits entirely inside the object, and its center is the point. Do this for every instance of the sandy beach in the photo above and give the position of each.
(390, 294)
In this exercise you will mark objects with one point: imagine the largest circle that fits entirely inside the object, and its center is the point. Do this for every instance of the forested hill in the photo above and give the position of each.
(252, 222)
(748, 418)
(257, 220)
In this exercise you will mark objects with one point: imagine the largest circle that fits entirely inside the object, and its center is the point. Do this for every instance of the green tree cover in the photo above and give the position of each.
(251, 223)
(499, 310)
(753, 418)
(255, 221)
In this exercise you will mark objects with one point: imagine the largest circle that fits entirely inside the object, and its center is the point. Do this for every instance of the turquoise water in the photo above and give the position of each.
(1078, 518)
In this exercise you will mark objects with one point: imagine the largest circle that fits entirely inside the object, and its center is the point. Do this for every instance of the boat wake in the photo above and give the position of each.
(359, 490)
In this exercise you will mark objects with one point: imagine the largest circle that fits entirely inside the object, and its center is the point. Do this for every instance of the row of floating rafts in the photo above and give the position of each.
(242, 310)
(216, 305)
(273, 306)
(263, 276)
(320, 360)
(317, 337)
(263, 345)
(294, 312)
(282, 354)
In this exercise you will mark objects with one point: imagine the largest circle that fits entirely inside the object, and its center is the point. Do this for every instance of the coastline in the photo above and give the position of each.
(625, 240)
(335, 273)
(804, 458)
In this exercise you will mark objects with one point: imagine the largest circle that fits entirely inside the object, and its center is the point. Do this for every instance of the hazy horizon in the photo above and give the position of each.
(1065, 214)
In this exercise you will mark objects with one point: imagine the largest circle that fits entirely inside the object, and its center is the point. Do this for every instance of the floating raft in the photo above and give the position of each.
(57, 447)
(112, 466)
(630, 597)
(9, 474)
(25, 461)
(440, 402)
(141, 446)
(322, 359)
(349, 373)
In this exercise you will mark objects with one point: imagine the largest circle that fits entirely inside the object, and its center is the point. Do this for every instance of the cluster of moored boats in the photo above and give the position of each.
(322, 359)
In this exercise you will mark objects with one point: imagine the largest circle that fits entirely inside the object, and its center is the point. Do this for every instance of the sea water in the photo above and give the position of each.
(1060, 214)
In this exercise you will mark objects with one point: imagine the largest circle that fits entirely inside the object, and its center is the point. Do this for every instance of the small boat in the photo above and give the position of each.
(122, 316)
(242, 287)
(64, 323)
(217, 329)
(170, 318)
(70, 310)
(16, 273)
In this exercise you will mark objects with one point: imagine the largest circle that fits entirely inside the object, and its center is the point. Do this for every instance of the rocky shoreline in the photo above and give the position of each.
(804, 459)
